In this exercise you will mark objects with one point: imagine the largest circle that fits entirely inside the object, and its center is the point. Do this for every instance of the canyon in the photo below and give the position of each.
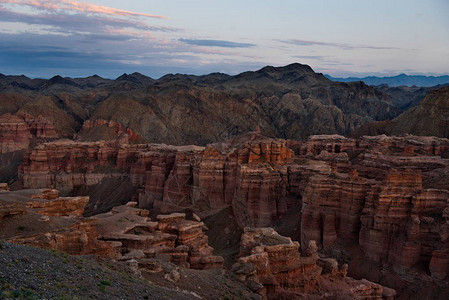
(269, 264)
(386, 196)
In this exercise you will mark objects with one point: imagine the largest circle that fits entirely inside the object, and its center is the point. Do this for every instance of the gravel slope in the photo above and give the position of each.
(32, 273)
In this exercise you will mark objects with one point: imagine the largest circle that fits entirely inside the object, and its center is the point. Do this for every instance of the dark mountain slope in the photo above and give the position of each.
(291, 102)
(430, 117)
(406, 97)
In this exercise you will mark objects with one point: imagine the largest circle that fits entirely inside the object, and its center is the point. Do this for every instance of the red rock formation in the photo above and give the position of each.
(51, 222)
(4, 187)
(124, 232)
(18, 131)
(182, 241)
(408, 144)
(173, 178)
(330, 143)
(65, 164)
(336, 182)
(439, 264)
(14, 133)
(191, 234)
(275, 262)
(331, 207)
(402, 223)
(79, 239)
(40, 127)
(64, 206)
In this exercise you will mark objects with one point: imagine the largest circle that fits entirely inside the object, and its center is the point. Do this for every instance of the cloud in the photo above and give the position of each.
(76, 22)
(45, 55)
(216, 43)
(339, 45)
(75, 6)
(44, 38)
(316, 57)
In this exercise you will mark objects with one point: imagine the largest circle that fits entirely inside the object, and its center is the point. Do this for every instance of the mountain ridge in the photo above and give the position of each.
(429, 117)
(290, 101)
(398, 80)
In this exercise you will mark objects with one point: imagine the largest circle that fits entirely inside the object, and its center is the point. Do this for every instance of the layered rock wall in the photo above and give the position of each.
(17, 132)
(253, 177)
(403, 224)
(368, 190)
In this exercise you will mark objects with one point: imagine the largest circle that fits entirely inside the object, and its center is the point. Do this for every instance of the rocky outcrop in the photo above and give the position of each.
(403, 224)
(171, 237)
(107, 130)
(14, 133)
(17, 132)
(40, 218)
(272, 266)
(126, 233)
(65, 164)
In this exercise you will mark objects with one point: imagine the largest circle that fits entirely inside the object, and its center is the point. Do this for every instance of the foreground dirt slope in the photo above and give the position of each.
(32, 273)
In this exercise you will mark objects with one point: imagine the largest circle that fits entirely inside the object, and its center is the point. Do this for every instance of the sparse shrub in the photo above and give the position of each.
(102, 285)
(27, 293)
(15, 294)
(105, 282)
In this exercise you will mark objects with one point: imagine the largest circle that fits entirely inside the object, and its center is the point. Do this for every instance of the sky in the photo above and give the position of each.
(155, 37)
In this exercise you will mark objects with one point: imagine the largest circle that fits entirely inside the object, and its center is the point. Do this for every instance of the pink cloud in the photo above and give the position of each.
(79, 6)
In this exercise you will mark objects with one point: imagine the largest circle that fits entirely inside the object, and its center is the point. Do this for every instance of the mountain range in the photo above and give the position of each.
(398, 80)
(288, 102)
(291, 102)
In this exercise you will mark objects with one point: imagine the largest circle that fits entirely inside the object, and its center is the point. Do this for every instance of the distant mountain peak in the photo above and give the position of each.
(122, 77)
(135, 77)
(137, 74)
(287, 68)
(298, 66)
(57, 79)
